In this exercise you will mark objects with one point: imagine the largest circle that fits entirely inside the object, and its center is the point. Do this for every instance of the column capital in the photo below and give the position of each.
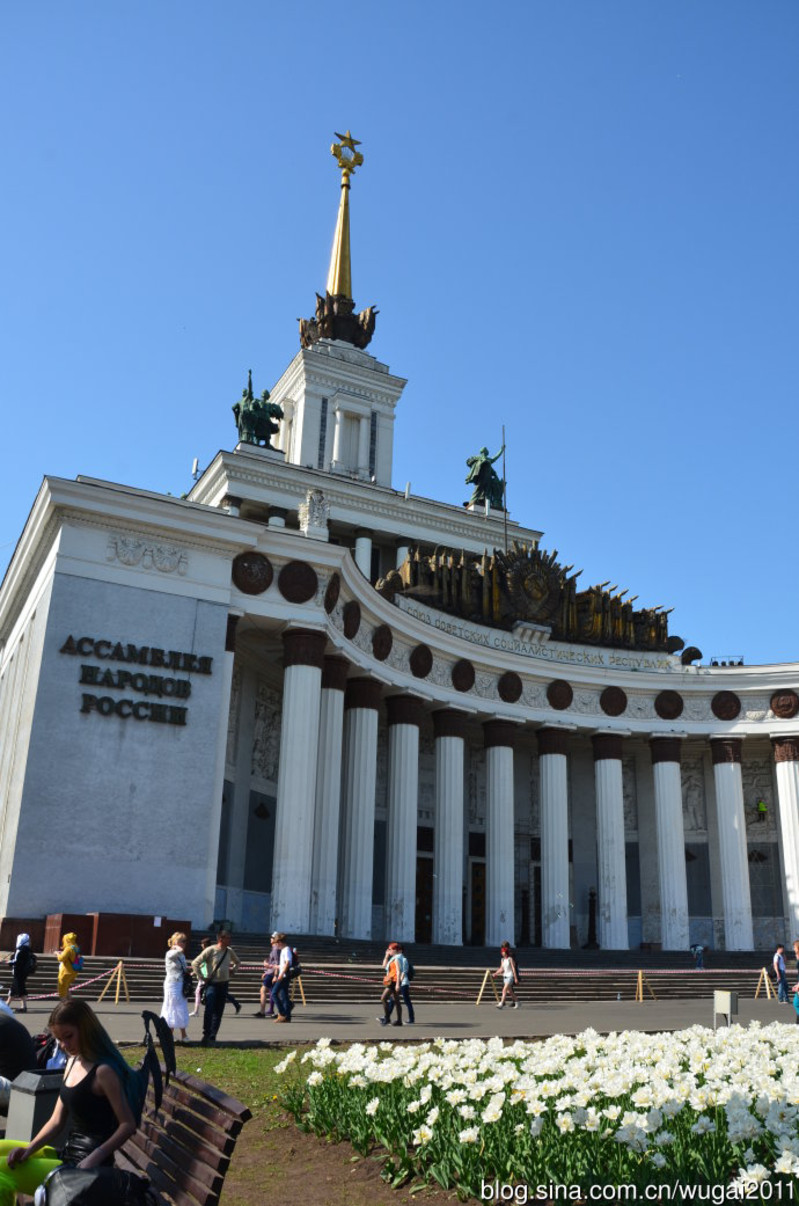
(304, 647)
(404, 709)
(499, 733)
(362, 693)
(334, 673)
(725, 750)
(786, 749)
(607, 745)
(665, 749)
(449, 723)
(553, 741)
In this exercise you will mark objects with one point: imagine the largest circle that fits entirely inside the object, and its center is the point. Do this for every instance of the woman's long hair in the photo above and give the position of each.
(96, 1045)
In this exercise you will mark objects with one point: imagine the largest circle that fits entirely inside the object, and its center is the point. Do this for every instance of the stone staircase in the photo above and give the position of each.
(348, 971)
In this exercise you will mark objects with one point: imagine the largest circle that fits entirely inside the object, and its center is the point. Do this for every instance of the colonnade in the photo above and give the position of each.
(324, 832)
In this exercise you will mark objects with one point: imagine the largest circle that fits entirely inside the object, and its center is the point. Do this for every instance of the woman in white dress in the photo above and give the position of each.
(175, 1010)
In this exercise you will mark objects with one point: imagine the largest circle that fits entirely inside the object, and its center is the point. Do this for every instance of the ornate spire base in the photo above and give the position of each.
(334, 319)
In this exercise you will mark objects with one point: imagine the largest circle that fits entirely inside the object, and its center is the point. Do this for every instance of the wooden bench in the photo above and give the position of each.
(185, 1149)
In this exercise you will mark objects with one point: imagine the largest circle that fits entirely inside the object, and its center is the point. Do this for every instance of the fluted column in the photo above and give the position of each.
(786, 756)
(450, 730)
(735, 892)
(612, 886)
(403, 547)
(553, 764)
(303, 653)
(404, 719)
(500, 868)
(671, 843)
(361, 702)
(324, 874)
(363, 552)
(363, 443)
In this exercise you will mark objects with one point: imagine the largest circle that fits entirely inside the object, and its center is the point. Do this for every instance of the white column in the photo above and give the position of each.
(672, 876)
(500, 866)
(404, 718)
(402, 553)
(324, 871)
(735, 892)
(219, 772)
(450, 728)
(611, 864)
(364, 423)
(555, 914)
(303, 651)
(363, 552)
(786, 755)
(361, 702)
(338, 416)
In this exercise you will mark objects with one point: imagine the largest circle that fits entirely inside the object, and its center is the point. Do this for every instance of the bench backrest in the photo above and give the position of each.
(185, 1149)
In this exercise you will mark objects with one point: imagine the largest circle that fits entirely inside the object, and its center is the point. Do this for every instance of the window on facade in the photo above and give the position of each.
(764, 880)
(260, 843)
(697, 874)
(320, 459)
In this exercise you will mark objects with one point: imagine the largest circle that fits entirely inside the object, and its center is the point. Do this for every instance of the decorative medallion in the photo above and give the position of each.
(613, 701)
(785, 704)
(382, 640)
(332, 593)
(725, 705)
(421, 661)
(559, 695)
(463, 675)
(352, 618)
(297, 582)
(252, 573)
(669, 705)
(509, 687)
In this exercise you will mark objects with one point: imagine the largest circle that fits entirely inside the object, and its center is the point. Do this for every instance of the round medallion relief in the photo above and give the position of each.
(382, 640)
(509, 687)
(725, 705)
(559, 694)
(352, 618)
(297, 582)
(252, 573)
(421, 661)
(785, 704)
(332, 593)
(462, 675)
(613, 701)
(669, 705)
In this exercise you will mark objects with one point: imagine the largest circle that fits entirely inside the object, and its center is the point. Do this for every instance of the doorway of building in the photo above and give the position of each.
(477, 891)
(424, 898)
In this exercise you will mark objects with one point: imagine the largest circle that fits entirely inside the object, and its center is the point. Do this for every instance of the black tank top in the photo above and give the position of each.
(90, 1115)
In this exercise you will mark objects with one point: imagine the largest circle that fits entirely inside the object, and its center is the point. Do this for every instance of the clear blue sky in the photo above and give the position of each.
(577, 217)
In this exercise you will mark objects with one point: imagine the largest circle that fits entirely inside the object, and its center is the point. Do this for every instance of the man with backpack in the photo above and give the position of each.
(280, 986)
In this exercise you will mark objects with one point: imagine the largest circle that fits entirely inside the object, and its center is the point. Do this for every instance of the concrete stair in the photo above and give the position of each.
(348, 971)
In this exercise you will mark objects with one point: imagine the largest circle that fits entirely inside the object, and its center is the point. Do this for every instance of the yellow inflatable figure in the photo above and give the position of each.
(68, 956)
(26, 1177)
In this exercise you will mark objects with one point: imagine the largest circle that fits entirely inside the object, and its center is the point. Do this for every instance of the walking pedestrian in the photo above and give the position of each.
(391, 986)
(507, 969)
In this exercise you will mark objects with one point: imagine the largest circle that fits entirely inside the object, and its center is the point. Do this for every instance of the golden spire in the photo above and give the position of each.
(339, 278)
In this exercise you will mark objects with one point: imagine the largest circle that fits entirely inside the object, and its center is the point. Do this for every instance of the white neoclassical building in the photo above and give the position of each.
(213, 712)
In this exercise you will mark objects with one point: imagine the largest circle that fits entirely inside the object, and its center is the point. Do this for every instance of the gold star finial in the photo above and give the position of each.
(347, 162)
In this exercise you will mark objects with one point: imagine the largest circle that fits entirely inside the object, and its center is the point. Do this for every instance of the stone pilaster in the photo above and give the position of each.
(404, 719)
(363, 552)
(500, 869)
(303, 651)
(672, 877)
(555, 912)
(736, 896)
(450, 731)
(324, 873)
(612, 885)
(786, 757)
(361, 703)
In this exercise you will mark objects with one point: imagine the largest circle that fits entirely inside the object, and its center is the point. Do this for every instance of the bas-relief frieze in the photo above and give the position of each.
(629, 788)
(694, 810)
(641, 707)
(485, 685)
(137, 552)
(586, 702)
(757, 778)
(534, 695)
(266, 736)
(756, 707)
(233, 720)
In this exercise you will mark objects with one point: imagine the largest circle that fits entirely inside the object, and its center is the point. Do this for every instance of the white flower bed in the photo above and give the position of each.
(697, 1107)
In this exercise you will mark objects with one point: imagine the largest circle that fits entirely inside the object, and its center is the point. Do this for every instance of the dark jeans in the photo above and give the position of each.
(405, 993)
(782, 988)
(280, 994)
(215, 998)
